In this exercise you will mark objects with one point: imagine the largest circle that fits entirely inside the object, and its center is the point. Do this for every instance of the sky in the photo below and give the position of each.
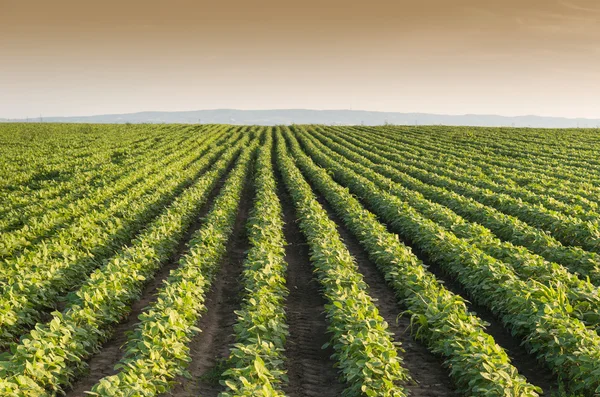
(510, 57)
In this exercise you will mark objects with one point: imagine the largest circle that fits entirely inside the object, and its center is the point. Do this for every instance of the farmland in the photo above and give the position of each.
(302, 260)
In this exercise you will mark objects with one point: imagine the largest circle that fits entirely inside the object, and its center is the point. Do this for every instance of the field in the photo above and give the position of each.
(309, 260)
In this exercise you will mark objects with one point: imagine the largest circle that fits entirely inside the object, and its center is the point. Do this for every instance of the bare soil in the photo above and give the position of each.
(310, 368)
(102, 363)
(210, 348)
(430, 377)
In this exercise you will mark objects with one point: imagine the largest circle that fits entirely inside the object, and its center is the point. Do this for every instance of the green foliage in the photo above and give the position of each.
(365, 353)
(534, 311)
(257, 357)
(427, 179)
(89, 213)
(32, 282)
(157, 351)
(479, 367)
(584, 297)
(52, 354)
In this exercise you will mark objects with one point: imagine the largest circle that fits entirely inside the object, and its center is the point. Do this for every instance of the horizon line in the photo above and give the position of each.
(307, 109)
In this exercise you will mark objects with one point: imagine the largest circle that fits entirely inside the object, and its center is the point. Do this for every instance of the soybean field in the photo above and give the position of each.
(302, 260)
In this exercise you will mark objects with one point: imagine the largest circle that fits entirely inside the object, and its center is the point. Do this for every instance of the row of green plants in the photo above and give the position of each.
(527, 152)
(538, 313)
(366, 355)
(44, 167)
(54, 353)
(584, 263)
(18, 211)
(55, 221)
(33, 283)
(583, 296)
(256, 360)
(37, 229)
(537, 150)
(567, 229)
(157, 350)
(25, 141)
(479, 367)
(577, 183)
(462, 172)
(533, 187)
(579, 196)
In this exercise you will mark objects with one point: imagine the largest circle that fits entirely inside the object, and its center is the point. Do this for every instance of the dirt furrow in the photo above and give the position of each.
(310, 369)
(102, 363)
(426, 369)
(210, 348)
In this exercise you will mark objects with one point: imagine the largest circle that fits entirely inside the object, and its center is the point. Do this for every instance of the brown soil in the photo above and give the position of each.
(210, 348)
(310, 369)
(431, 379)
(102, 363)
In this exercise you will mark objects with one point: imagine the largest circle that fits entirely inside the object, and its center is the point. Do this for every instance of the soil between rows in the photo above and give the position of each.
(102, 363)
(210, 348)
(431, 379)
(310, 368)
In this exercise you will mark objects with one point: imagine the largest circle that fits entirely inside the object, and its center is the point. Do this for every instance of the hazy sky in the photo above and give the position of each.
(510, 57)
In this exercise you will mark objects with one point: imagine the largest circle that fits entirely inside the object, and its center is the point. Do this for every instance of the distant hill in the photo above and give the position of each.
(305, 116)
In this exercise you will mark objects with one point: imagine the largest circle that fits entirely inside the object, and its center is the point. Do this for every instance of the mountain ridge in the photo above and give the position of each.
(311, 116)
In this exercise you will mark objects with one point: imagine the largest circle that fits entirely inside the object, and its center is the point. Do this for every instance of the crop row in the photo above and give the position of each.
(522, 172)
(523, 184)
(36, 280)
(464, 170)
(52, 220)
(255, 364)
(363, 347)
(535, 150)
(567, 229)
(538, 313)
(156, 351)
(18, 210)
(583, 296)
(440, 318)
(33, 175)
(507, 227)
(52, 354)
(27, 211)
